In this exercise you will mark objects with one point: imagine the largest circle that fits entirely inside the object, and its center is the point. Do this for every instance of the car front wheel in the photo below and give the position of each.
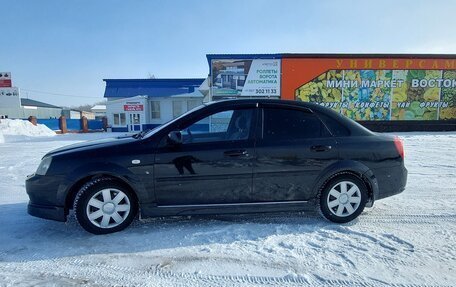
(343, 198)
(104, 206)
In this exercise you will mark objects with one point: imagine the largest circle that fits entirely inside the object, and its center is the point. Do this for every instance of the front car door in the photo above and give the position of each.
(213, 165)
(292, 149)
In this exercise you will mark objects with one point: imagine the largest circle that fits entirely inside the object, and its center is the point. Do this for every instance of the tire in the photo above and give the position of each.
(343, 198)
(104, 206)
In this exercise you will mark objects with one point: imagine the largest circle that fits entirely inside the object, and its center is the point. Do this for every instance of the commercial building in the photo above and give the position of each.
(138, 104)
(17, 108)
(99, 111)
(71, 114)
(39, 110)
(12, 106)
(381, 91)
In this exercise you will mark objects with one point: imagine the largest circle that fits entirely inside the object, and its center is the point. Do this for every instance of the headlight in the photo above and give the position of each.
(44, 166)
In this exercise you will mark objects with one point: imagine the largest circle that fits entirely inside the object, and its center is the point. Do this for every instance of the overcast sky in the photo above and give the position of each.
(56, 48)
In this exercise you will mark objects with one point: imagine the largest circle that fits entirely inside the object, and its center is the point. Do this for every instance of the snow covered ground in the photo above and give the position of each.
(406, 240)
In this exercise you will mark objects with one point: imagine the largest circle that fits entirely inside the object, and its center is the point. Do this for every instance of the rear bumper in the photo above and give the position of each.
(47, 212)
(391, 181)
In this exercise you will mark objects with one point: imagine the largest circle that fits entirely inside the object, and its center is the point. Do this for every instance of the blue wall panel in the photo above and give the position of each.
(73, 124)
(95, 124)
(120, 129)
(53, 124)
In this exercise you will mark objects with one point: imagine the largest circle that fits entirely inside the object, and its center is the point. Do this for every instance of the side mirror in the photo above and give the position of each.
(175, 138)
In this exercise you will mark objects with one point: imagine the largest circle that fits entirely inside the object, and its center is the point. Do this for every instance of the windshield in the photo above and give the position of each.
(159, 128)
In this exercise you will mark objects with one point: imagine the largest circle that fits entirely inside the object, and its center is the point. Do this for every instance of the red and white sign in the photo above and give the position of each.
(133, 108)
(5, 80)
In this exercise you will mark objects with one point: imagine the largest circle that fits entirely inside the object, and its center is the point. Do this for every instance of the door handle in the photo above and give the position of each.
(320, 148)
(236, 153)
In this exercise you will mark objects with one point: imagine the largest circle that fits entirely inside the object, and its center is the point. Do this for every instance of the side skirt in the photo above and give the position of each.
(153, 210)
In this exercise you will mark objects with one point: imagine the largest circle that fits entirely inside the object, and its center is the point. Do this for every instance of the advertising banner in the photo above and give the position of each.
(5, 80)
(133, 108)
(375, 89)
(251, 78)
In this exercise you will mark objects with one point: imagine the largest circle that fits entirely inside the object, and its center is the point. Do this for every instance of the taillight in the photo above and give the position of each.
(399, 146)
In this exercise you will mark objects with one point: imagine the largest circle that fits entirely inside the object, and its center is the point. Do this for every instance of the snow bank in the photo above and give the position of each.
(14, 128)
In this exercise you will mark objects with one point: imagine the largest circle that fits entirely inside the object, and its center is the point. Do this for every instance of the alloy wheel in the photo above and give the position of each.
(344, 198)
(108, 208)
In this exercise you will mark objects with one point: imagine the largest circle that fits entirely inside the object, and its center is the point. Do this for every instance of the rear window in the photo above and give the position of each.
(290, 124)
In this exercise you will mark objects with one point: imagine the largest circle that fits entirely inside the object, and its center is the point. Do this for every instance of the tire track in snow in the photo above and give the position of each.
(98, 273)
(407, 218)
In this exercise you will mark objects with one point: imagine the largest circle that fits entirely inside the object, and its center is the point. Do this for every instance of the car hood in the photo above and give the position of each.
(88, 145)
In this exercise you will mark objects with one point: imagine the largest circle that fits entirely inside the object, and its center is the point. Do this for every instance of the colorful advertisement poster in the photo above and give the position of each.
(250, 78)
(379, 94)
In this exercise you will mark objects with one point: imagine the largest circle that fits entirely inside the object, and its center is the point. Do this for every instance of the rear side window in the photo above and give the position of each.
(336, 128)
(289, 124)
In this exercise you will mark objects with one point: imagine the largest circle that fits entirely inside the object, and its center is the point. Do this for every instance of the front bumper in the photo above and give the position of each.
(45, 201)
(48, 212)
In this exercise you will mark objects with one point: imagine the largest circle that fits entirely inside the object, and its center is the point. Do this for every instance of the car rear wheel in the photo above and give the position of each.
(104, 206)
(343, 198)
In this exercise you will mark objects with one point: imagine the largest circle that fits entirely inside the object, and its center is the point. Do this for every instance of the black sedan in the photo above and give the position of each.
(232, 156)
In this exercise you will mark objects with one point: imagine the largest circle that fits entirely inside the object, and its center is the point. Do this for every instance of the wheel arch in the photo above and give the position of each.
(351, 167)
(77, 185)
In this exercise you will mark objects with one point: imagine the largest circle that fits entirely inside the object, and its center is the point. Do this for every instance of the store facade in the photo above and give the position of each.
(138, 104)
(384, 92)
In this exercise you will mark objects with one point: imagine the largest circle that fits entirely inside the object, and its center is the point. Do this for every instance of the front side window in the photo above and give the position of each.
(290, 125)
(229, 125)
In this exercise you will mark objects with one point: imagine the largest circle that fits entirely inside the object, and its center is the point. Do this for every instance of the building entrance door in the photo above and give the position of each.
(134, 122)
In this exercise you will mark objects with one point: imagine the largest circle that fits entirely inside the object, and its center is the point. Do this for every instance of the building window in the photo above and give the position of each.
(193, 103)
(120, 119)
(177, 108)
(155, 109)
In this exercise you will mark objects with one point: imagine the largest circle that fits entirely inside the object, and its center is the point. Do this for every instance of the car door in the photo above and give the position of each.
(213, 165)
(292, 148)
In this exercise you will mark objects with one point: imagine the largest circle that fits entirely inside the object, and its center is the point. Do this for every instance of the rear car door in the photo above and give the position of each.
(213, 165)
(293, 147)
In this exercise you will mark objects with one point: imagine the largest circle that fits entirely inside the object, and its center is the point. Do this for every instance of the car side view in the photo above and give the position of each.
(230, 156)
